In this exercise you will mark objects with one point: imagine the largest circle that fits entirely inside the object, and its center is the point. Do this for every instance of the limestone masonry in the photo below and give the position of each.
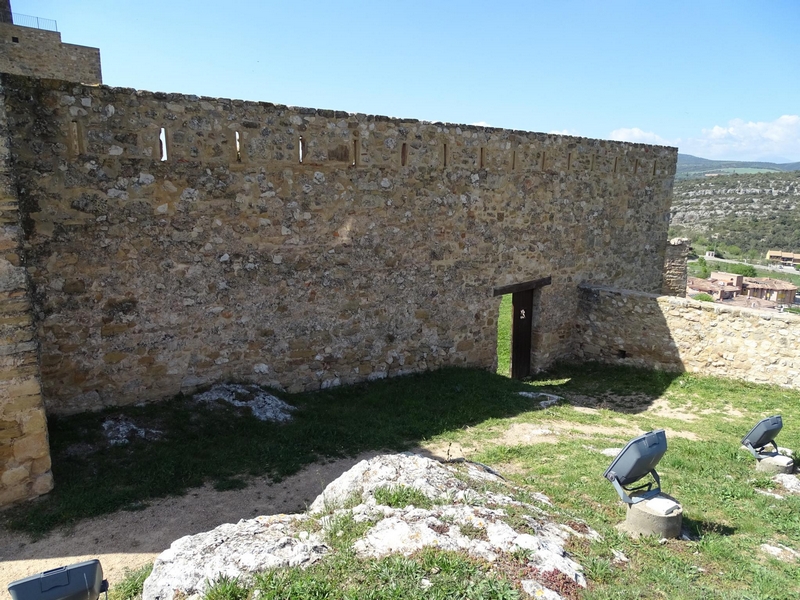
(155, 243)
(680, 334)
(40, 53)
(675, 273)
(375, 256)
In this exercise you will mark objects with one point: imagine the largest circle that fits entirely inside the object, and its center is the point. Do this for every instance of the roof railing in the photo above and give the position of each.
(31, 21)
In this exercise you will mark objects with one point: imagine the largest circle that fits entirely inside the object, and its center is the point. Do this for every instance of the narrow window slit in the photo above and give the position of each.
(404, 155)
(655, 168)
(569, 161)
(162, 144)
(544, 160)
(444, 156)
(636, 167)
(482, 159)
(301, 148)
(238, 148)
(616, 163)
(74, 138)
(356, 152)
(513, 160)
(592, 164)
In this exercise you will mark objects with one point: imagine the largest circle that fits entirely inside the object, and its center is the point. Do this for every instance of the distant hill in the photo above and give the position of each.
(690, 167)
(753, 212)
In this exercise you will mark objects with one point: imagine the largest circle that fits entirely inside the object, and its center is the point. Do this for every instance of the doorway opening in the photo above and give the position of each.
(516, 324)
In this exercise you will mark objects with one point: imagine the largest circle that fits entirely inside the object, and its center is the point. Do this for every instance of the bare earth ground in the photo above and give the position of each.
(131, 539)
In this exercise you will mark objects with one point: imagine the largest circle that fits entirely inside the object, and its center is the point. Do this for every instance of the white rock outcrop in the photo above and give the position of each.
(463, 515)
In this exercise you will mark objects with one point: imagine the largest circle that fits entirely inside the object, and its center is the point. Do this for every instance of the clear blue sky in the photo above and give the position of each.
(719, 79)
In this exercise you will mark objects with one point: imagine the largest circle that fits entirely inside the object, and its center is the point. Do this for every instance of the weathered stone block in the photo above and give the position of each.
(31, 446)
(10, 429)
(42, 484)
(14, 494)
(14, 476)
(40, 465)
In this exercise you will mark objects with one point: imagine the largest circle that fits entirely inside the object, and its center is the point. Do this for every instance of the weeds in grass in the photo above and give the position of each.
(400, 496)
(226, 588)
(427, 574)
(132, 584)
(341, 530)
(472, 531)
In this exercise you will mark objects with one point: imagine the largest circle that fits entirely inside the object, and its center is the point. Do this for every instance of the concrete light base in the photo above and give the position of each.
(774, 463)
(648, 518)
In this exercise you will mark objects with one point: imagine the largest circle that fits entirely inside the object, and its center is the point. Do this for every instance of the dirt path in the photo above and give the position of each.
(131, 539)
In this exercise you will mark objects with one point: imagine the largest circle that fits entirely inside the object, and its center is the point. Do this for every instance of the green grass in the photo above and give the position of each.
(227, 588)
(400, 496)
(703, 297)
(130, 588)
(704, 468)
(504, 336)
(430, 574)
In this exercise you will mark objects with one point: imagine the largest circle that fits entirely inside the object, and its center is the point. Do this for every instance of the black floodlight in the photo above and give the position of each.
(81, 581)
(764, 433)
(637, 459)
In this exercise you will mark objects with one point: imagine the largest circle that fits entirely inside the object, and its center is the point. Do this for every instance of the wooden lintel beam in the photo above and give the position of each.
(521, 287)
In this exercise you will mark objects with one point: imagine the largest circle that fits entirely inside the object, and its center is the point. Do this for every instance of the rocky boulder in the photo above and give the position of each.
(468, 509)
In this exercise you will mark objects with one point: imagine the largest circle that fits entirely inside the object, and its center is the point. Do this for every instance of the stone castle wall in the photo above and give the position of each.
(680, 334)
(373, 257)
(40, 53)
(675, 268)
(24, 450)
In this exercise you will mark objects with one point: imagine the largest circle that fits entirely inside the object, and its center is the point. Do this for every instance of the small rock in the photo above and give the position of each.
(537, 590)
(263, 405)
(781, 552)
(770, 494)
(612, 452)
(790, 482)
(619, 556)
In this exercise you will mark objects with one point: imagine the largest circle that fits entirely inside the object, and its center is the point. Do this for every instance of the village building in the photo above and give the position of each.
(767, 288)
(719, 290)
(784, 258)
(744, 290)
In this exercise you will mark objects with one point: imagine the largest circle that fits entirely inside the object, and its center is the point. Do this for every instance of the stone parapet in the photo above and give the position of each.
(681, 334)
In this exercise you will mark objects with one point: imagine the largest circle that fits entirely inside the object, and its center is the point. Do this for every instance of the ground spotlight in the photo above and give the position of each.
(649, 510)
(635, 461)
(81, 581)
(763, 434)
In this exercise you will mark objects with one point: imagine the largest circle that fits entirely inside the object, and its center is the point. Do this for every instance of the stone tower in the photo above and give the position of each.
(5, 11)
(33, 47)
